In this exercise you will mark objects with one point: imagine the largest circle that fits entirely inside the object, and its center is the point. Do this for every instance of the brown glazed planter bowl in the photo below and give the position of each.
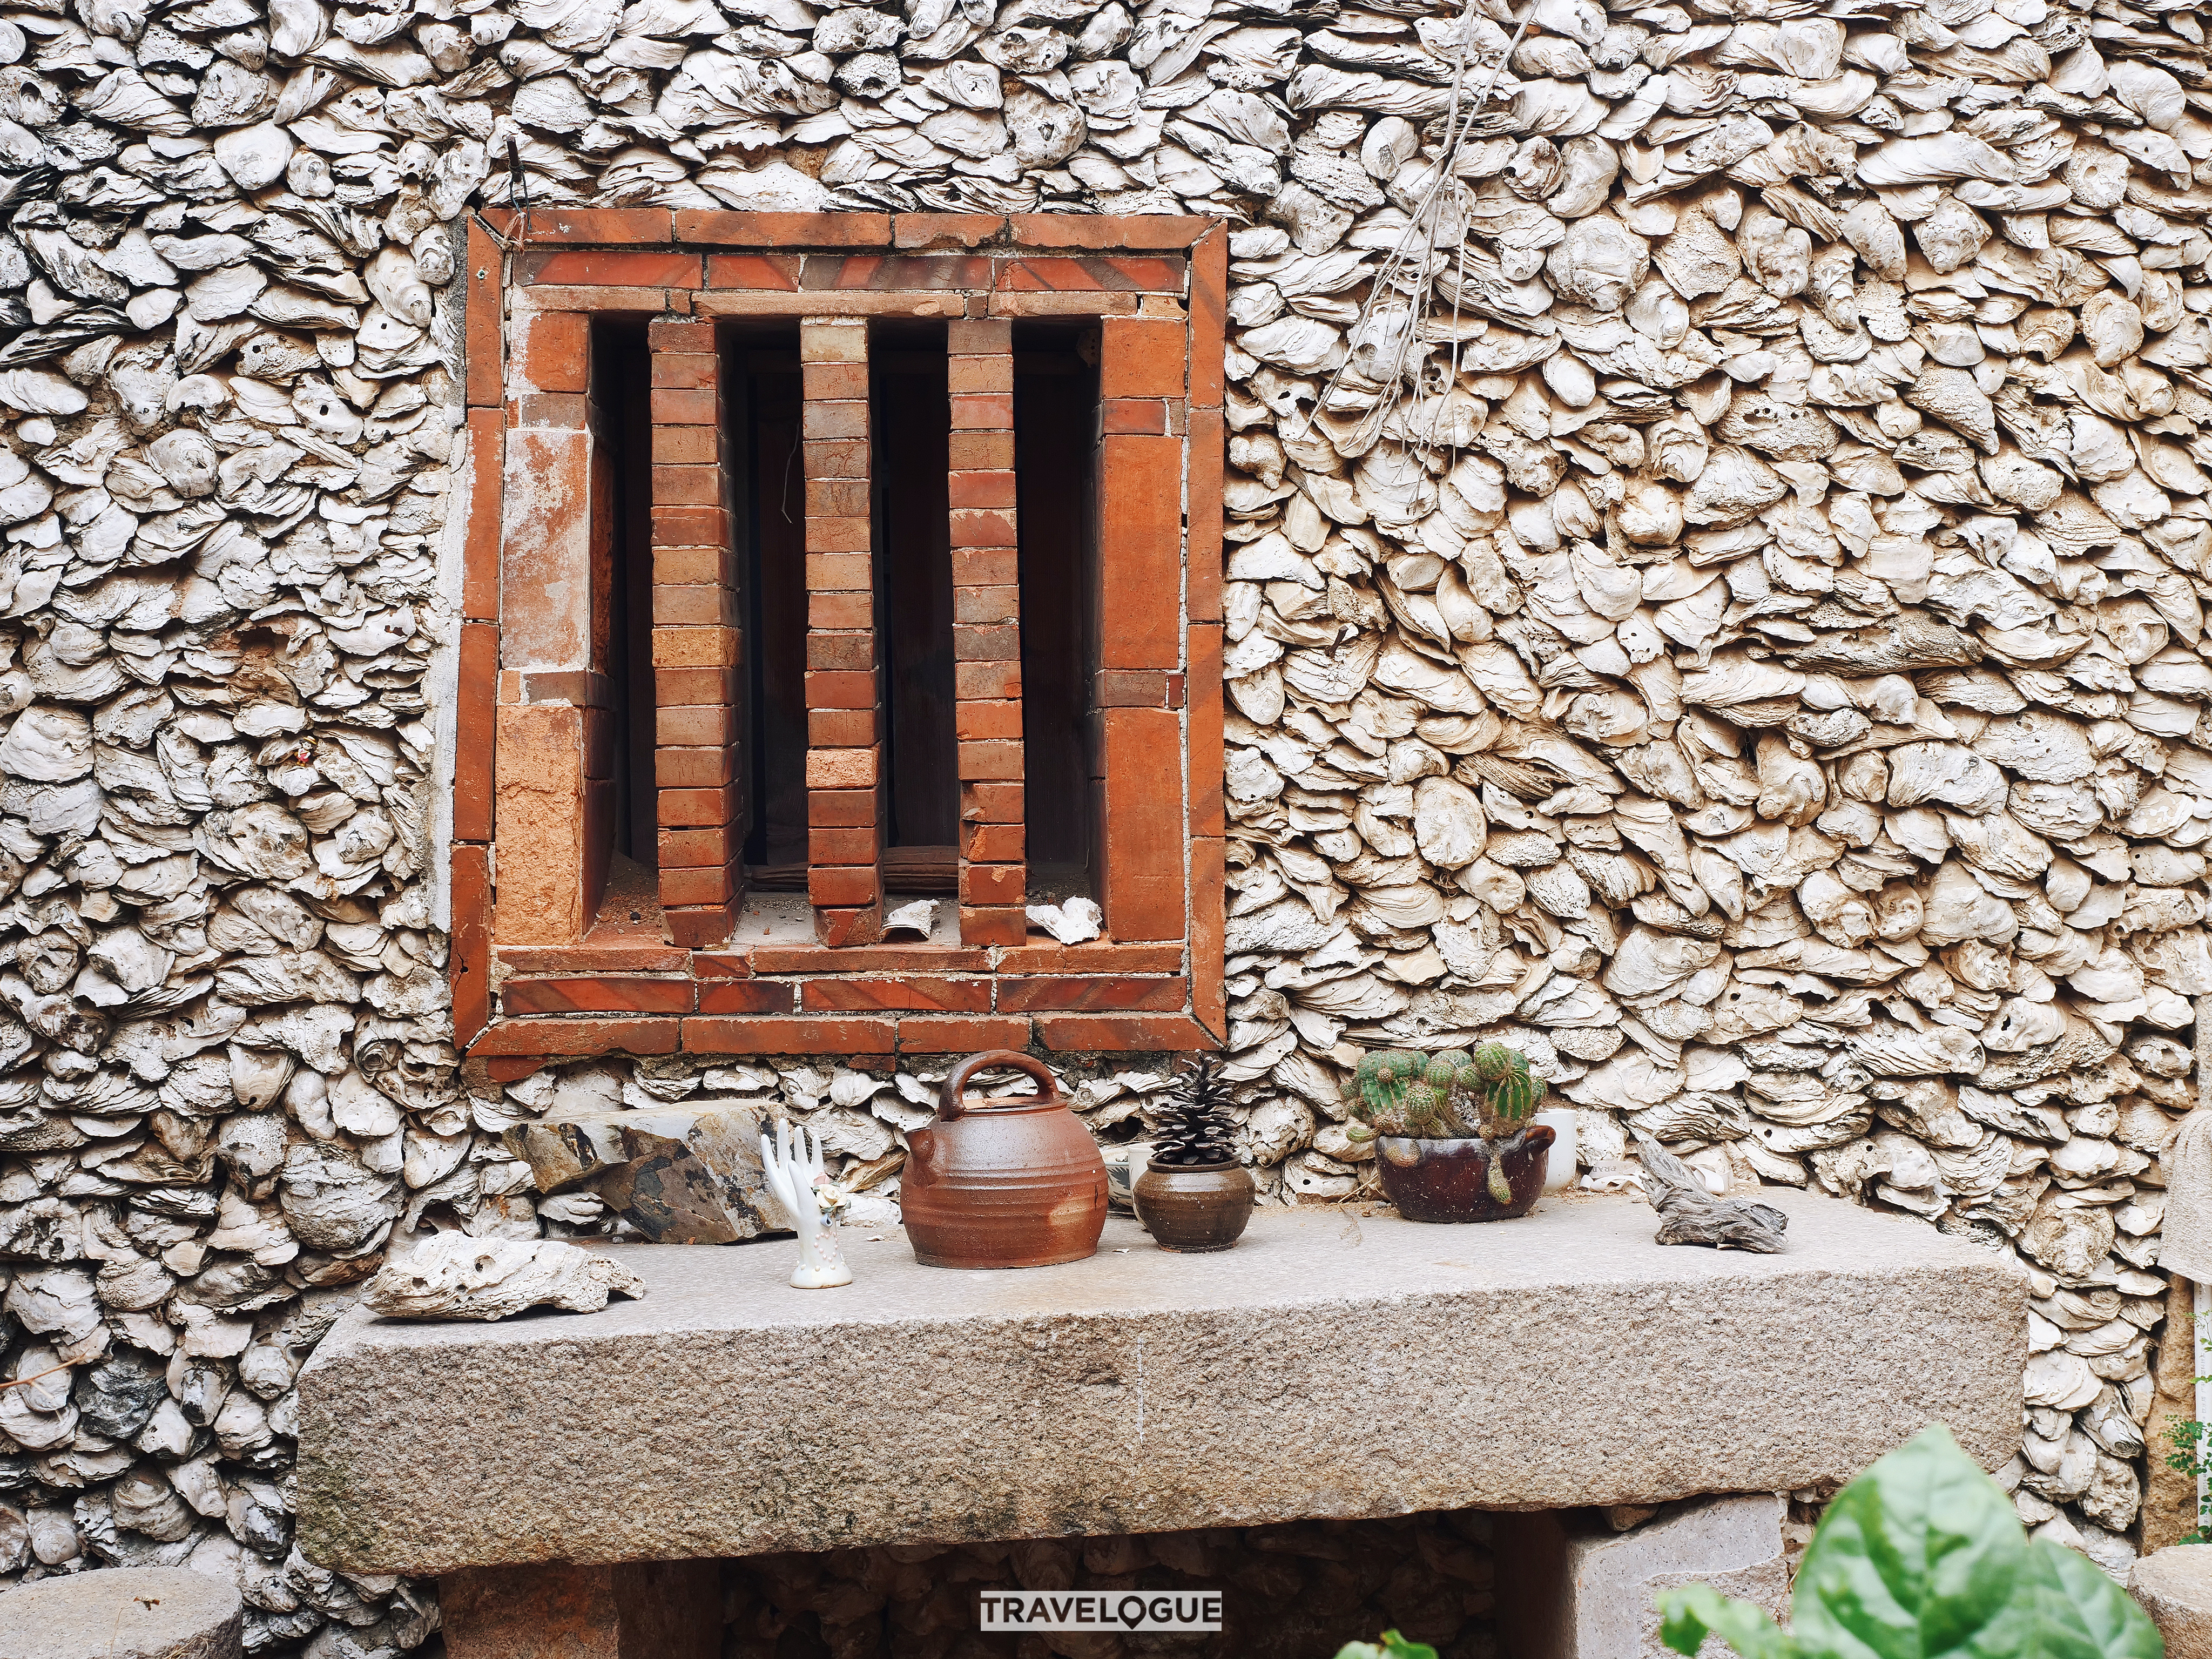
(1449, 1179)
(1193, 1207)
(1002, 1184)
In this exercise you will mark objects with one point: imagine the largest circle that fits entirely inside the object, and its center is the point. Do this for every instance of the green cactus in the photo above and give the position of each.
(1399, 1092)
(1425, 1108)
(1381, 1080)
(1454, 1069)
(1510, 1102)
(1492, 1060)
(1500, 1188)
(1445, 1080)
(1490, 1093)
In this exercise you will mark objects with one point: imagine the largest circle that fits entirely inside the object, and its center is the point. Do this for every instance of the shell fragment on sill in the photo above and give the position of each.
(453, 1276)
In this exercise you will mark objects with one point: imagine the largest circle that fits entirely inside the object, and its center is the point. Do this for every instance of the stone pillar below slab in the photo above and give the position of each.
(2175, 1589)
(2169, 1503)
(1580, 1594)
(632, 1610)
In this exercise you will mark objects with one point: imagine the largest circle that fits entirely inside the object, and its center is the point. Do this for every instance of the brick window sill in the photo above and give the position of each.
(867, 1005)
(624, 988)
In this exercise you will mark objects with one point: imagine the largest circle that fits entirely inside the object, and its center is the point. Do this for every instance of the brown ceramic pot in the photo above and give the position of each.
(1002, 1184)
(1194, 1207)
(1449, 1179)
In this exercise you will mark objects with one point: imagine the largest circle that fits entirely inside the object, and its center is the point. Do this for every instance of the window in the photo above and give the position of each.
(818, 563)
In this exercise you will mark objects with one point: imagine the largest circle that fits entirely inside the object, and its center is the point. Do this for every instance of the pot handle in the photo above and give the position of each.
(948, 1097)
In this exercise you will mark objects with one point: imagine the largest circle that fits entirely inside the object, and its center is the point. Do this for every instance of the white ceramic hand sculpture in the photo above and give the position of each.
(795, 1176)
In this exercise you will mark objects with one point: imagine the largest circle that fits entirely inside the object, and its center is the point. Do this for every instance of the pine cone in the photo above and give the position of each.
(1194, 1127)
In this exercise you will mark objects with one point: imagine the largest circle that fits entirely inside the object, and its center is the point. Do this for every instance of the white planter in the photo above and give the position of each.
(1560, 1169)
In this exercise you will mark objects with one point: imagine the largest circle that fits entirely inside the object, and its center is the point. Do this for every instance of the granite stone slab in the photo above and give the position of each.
(123, 1613)
(1331, 1364)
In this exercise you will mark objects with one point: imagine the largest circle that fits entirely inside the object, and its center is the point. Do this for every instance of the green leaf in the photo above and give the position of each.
(1390, 1646)
(1687, 1615)
(2065, 1606)
(1915, 1559)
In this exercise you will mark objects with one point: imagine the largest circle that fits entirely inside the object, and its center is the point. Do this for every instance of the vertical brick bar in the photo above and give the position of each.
(486, 368)
(539, 780)
(476, 698)
(468, 961)
(1209, 284)
(480, 562)
(547, 549)
(699, 796)
(986, 632)
(1143, 834)
(1142, 848)
(468, 958)
(844, 721)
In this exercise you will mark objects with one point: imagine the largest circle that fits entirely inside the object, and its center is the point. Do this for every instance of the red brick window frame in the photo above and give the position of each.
(544, 966)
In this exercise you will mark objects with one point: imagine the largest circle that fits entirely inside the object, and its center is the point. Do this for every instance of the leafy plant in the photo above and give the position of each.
(2189, 1452)
(1194, 1127)
(1388, 1645)
(1454, 1094)
(1923, 1556)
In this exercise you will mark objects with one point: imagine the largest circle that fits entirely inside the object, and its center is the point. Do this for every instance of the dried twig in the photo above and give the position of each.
(35, 1376)
(1423, 223)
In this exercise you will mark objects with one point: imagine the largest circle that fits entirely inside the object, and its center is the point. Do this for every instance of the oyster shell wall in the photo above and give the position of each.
(1717, 555)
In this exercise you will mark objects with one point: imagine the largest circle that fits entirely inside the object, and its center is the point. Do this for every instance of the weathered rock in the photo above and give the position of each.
(679, 1176)
(1688, 1214)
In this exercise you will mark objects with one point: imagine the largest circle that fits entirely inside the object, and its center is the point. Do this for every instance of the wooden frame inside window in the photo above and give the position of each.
(563, 943)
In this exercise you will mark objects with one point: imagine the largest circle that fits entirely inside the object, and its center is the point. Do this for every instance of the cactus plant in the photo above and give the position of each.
(1490, 1093)
(1404, 1093)
(1381, 1080)
(1511, 1092)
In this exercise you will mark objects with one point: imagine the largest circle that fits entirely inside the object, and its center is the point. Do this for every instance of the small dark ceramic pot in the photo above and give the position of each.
(1193, 1207)
(1449, 1179)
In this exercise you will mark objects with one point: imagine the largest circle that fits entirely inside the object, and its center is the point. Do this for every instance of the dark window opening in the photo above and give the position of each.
(1056, 437)
(761, 375)
(621, 816)
(910, 428)
(1055, 492)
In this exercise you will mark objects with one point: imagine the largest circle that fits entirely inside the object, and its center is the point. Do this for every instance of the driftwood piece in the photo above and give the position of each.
(1688, 1214)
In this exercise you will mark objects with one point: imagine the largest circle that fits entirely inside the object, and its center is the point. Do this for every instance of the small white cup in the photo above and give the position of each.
(1560, 1171)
